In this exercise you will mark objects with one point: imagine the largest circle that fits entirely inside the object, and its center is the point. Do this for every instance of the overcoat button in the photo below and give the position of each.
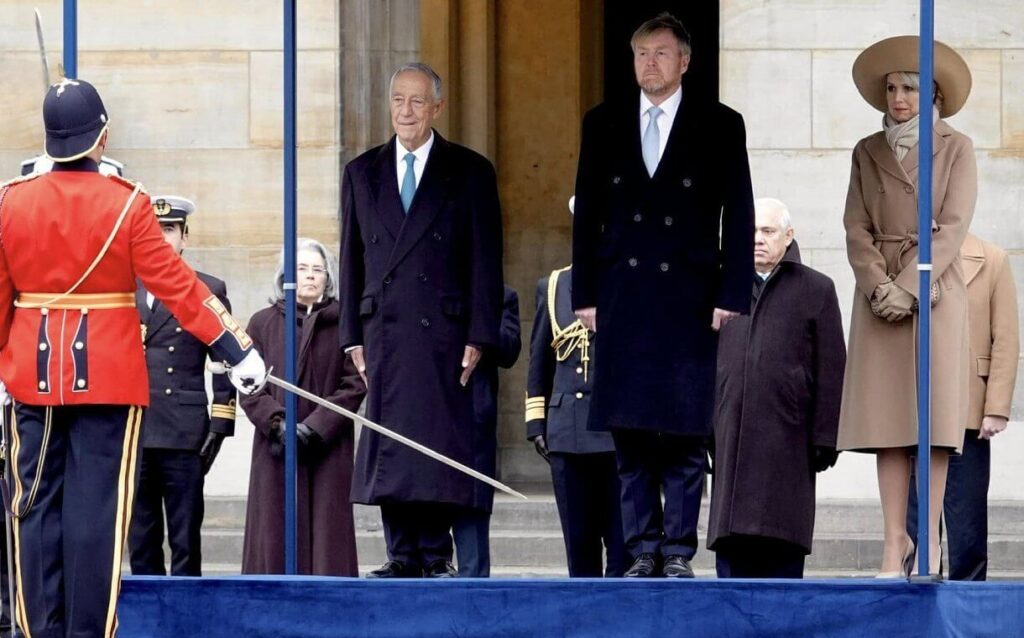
(616, 179)
(178, 329)
(668, 221)
(168, 391)
(632, 262)
(637, 217)
(881, 189)
(425, 322)
(687, 182)
(170, 370)
(373, 239)
(579, 395)
(42, 347)
(664, 267)
(387, 280)
(423, 278)
(42, 384)
(437, 236)
(170, 348)
(79, 345)
(908, 188)
(81, 383)
(579, 370)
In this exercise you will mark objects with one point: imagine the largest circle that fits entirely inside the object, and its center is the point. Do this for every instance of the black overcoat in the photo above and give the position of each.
(178, 417)
(656, 256)
(485, 398)
(415, 290)
(780, 383)
(326, 533)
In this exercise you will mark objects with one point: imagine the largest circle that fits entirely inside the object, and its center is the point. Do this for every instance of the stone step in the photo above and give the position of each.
(852, 516)
(528, 550)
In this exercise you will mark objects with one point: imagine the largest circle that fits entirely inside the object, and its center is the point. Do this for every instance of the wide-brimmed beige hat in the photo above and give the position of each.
(901, 54)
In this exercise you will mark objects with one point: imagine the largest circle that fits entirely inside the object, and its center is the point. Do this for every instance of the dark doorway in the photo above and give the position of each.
(622, 17)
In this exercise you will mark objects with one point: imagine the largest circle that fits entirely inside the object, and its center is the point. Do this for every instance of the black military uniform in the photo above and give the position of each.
(179, 438)
(582, 462)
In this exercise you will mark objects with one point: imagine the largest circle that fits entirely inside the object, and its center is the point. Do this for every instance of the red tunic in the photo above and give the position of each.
(52, 227)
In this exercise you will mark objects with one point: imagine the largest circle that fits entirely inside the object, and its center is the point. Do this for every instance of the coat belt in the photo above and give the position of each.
(75, 301)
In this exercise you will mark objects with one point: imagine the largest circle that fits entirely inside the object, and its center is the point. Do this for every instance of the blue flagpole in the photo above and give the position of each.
(71, 38)
(290, 455)
(924, 261)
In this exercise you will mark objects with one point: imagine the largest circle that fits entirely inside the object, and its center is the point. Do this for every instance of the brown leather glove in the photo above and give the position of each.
(892, 303)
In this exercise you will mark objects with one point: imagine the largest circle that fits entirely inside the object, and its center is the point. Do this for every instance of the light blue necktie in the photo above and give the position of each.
(408, 182)
(651, 141)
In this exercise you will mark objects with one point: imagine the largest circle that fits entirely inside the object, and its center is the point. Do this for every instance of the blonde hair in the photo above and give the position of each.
(913, 80)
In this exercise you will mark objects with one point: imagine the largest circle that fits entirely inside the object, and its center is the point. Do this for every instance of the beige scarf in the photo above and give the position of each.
(903, 137)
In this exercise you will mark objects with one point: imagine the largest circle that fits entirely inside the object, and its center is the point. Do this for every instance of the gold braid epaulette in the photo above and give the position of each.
(19, 179)
(572, 337)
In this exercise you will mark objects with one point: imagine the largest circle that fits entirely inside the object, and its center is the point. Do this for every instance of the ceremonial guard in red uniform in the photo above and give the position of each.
(72, 243)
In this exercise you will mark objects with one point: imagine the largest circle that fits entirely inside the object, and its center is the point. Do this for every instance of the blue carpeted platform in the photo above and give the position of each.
(319, 607)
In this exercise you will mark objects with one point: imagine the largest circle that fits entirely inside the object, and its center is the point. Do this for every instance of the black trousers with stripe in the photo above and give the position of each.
(74, 470)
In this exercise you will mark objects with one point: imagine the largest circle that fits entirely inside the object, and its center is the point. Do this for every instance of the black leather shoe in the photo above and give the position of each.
(677, 567)
(395, 569)
(440, 569)
(643, 567)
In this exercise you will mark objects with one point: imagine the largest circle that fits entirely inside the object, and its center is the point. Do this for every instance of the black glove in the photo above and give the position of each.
(276, 437)
(211, 448)
(307, 437)
(823, 457)
(541, 446)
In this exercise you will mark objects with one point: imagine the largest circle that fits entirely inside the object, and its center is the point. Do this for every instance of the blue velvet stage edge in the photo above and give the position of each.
(311, 607)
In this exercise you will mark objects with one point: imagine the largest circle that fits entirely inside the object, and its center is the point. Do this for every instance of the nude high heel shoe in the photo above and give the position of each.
(907, 566)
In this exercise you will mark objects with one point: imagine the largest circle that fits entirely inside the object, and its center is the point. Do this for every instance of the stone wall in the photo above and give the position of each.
(786, 66)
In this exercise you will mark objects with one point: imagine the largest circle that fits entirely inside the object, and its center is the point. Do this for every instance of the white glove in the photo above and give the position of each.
(5, 399)
(250, 374)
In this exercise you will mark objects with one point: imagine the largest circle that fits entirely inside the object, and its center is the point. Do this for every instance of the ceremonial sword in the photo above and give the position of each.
(220, 368)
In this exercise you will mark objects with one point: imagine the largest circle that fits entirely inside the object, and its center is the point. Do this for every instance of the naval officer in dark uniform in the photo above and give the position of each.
(583, 468)
(180, 439)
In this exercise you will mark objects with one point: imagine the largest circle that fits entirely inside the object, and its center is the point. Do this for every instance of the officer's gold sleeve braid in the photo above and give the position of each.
(573, 336)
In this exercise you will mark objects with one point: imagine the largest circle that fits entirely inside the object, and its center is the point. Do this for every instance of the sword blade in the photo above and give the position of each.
(42, 51)
(380, 429)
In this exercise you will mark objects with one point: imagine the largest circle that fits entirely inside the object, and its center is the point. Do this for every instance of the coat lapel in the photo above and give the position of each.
(157, 319)
(677, 140)
(384, 186)
(973, 258)
(428, 202)
(884, 158)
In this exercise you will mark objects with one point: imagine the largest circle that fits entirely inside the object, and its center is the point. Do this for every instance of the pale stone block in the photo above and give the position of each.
(167, 100)
(979, 119)
(999, 213)
(841, 24)
(1013, 107)
(127, 25)
(772, 89)
(366, 121)
(317, 99)
(813, 184)
(239, 193)
(18, 30)
(841, 116)
(21, 127)
(365, 25)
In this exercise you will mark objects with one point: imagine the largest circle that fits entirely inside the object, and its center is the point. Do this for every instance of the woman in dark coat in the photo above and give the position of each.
(326, 543)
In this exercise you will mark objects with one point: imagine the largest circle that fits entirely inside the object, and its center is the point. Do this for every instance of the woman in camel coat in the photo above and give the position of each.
(879, 409)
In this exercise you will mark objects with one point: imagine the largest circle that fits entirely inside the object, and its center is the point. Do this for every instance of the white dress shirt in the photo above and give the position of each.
(669, 108)
(417, 166)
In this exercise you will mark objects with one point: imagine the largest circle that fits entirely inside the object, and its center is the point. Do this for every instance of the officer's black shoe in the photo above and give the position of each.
(643, 567)
(395, 569)
(677, 567)
(440, 569)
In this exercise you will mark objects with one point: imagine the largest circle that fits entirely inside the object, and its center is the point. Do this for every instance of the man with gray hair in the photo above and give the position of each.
(780, 381)
(421, 294)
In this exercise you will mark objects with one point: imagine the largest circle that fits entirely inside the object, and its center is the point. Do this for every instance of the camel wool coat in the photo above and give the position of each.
(995, 342)
(879, 408)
